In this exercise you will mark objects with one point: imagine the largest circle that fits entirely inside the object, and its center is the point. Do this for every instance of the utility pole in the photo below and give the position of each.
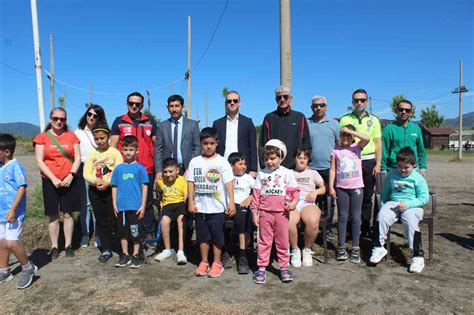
(207, 125)
(65, 98)
(171, 88)
(149, 103)
(188, 73)
(285, 44)
(39, 78)
(90, 97)
(370, 105)
(459, 90)
(51, 65)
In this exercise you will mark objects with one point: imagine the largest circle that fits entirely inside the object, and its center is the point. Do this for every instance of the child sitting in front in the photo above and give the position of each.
(404, 193)
(174, 194)
(243, 184)
(275, 194)
(210, 194)
(12, 214)
(346, 171)
(311, 185)
(129, 192)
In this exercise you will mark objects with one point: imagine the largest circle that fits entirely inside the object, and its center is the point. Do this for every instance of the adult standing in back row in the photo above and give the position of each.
(286, 125)
(369, 125)
(135, 123)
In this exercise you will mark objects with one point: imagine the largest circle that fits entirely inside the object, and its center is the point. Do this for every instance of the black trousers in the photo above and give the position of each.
(369, 184)
(148, 222)
(322, 200)
(106, 222)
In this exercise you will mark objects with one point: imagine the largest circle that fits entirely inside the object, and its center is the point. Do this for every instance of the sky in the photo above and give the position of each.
(386, 47)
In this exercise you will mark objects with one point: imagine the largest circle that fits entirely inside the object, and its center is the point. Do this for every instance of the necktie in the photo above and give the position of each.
(175, 140)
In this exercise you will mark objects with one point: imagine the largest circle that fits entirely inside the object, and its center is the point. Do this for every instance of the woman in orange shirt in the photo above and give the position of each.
(58, 157)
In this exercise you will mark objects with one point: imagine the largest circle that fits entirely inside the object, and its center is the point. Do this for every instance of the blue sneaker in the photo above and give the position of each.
(286, 275)
(260, 276)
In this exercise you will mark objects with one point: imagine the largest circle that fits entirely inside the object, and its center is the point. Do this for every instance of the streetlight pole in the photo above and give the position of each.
(285, 44)
(459, 90)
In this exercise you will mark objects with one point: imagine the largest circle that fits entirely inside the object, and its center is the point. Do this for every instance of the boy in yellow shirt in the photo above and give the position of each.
(175, 189)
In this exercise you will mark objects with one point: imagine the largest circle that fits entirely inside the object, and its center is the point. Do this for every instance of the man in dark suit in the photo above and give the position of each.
(236, 133)
(186, 133)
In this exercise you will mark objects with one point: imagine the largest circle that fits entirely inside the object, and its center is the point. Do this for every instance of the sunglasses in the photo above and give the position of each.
(359, 100)
(134, 104)
(404, 110)
(282, 97)
(232, 101)
(90, 114)
(58, 118)
(322, 105)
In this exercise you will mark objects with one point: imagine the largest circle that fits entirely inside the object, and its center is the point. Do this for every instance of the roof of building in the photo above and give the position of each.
(440, 131)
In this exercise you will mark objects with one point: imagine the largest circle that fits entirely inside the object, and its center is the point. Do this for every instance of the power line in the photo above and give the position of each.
(16, 70)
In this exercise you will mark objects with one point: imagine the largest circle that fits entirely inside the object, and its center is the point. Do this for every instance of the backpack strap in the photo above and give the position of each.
(59, 146)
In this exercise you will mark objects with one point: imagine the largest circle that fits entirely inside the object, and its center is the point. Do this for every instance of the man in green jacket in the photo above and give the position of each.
(402, 133)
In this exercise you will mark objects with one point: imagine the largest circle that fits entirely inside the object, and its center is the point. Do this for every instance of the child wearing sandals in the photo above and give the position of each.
(98, 168)
(275, 194)
(346, 171)
(311, 185)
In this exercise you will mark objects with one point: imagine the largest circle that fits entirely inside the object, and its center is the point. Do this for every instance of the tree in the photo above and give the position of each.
(395, 101)
(225, 90)
(430, 118)
(152, 117)
(62, 101)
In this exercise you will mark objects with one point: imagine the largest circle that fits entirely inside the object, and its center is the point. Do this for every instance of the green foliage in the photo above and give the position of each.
(62, 101)
(35, 205)
(395, 100)
(150, 115)
(24, 145)
(430, 118)
(225, 90)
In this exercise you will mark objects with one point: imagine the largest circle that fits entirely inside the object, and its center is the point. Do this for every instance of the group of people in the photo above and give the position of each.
(208, 176)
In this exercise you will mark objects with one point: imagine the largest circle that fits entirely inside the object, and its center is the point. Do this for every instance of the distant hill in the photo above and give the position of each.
(21, 129)
(467, 121)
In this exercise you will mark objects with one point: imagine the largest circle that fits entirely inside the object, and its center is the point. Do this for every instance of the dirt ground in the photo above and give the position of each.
(83, 285)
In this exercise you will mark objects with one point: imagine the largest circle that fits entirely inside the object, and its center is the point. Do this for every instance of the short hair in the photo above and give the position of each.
(208, 132)
(170, 162)
(232, 92)
(317, 98)
(135, 94)
(406, 155)
(235, 157)
(270, 149)
(130, 141)
(359, 91)
(351, 127)
(7, 142)
(405, 101)
(176, 97)
(302, 150)
(101, 126)
(282, 89)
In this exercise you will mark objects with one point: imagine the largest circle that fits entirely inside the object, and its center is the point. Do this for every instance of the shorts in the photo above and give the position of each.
(11, 231)
(174, 210)
(129, 227)
(210, 228)
(66, 200)
(242, 219)
(303, 203)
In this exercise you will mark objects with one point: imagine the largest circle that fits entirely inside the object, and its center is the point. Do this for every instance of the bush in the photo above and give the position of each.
(35, 206)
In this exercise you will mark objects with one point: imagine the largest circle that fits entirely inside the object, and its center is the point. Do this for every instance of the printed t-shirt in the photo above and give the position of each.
(12, 177)
(100, 164)
(209, 177)
(173, 192)
(242, 187)
(52, 157)
(129, 178)
(308, 180)
(348, 167)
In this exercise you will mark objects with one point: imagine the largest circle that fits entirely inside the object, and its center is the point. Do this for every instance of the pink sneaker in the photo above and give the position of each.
(216, 270)
(202, 269)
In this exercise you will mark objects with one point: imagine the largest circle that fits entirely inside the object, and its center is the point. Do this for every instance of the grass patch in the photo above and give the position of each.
(35, 205)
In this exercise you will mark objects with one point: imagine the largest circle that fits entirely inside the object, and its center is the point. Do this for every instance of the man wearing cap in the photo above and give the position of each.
(236, 133)
(369, 125)
(285, 124)
(324, 135)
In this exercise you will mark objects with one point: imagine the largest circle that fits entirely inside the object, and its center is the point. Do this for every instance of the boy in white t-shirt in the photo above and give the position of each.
(210, 194)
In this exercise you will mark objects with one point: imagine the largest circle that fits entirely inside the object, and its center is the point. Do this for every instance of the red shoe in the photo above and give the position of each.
(202, 269)
(216, 270)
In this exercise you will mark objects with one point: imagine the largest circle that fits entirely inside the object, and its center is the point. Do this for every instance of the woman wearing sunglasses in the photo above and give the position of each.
(93, 115)
(58, 157)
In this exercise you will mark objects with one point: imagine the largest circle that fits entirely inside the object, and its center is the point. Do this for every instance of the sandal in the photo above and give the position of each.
(105, 256)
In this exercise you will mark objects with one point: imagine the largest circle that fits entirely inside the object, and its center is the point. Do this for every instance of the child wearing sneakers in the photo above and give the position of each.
(12, 213)
(404, 193)
(311, 185)
(210, 194)
(129, 193)
(174, 194)
(275, 193)
(243, 184)
(346, 171)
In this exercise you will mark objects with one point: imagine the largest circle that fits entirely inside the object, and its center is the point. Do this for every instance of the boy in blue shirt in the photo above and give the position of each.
(12, 213)
(129, 193)
(404, 193)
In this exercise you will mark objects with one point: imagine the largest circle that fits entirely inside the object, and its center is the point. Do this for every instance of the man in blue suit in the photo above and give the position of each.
(236, 133)
(178, 137)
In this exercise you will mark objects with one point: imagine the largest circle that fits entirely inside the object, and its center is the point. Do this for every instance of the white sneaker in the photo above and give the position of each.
(417, 264)
(377, 254)
(181, 258)
(296, 258)
(307, 257)
(166, 253)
